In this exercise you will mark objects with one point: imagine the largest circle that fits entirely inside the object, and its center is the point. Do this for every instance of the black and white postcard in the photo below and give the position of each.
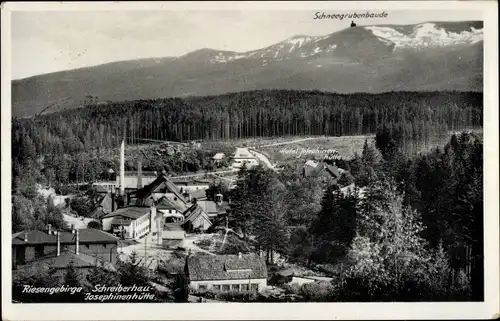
(293, 159)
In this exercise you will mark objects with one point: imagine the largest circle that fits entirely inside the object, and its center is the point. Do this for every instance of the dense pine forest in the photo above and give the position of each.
(416, 234)
(418, 118)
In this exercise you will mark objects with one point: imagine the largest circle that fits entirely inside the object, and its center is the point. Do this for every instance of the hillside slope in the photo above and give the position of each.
(434, 56)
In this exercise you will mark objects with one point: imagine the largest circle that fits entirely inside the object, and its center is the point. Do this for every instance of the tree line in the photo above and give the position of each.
(411, 229)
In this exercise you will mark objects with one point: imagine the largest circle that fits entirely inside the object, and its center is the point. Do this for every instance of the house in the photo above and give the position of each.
(129, 222)
(191, 185)
(218, 157)
(243, 156)
(162, 186)
(196, 219)
(323, 171)
(28, 246)
(170, 209)
(225, 273)
(105, 205)
(213, 209)
(172, 236)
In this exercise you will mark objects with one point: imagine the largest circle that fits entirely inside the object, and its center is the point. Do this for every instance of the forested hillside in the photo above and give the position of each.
(416, 117)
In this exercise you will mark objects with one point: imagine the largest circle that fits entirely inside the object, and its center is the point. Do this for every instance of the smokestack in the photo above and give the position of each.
(139, 174)
(77, 245)
(49, 227)
(122, 168)
(58, 243)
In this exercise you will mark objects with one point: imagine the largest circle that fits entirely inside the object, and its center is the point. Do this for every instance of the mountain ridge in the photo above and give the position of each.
(372, 58)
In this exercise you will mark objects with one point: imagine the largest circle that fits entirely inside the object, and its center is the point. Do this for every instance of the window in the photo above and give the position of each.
(255, 287)
(202, 287)
(216, 287)
(235, 287)
(87, 246)
(244, 287)
(104, 245)
(225, 287)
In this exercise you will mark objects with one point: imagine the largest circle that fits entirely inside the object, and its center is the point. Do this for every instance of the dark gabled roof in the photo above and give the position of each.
(226, 267)
(103, 207)
(133, 212)
(195, 211)
(80, 260)
(160, 185)
(321, 169)
(88, 235)
(165, 203)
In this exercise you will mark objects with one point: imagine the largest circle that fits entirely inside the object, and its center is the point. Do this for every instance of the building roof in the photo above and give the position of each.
(219, 156)
(173, 235)
(195, 211)
(88, 235)
(160, 185)
(133, 212)
(103, 207)
(80, 260)
(243, 153)
(165, 203)
(226, 267)
(211, 208)
(320, 169)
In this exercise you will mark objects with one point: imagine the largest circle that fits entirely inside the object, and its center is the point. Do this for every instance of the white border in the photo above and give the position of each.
(224, 311)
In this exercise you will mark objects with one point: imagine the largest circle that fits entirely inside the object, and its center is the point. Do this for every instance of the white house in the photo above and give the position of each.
(192, 185)
(129, 222)
(242, 272)
(243, 156)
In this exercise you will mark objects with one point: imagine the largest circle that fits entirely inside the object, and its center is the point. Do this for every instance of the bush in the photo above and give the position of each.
(317, 291)
(95, 225)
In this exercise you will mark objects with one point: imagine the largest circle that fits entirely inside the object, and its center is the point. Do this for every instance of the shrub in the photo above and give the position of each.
(317, 291)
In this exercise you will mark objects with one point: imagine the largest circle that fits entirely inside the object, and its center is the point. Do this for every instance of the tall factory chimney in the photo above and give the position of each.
(139, 174)
(122, 168)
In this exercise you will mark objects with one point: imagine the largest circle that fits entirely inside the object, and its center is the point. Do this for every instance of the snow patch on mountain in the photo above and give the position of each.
(427, 35)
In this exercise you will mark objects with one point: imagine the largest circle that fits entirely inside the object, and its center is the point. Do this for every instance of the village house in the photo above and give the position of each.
(191, 185)
(324, 172)
(196, 219)
(242, 272)
(105, 205)
(170, 209)
(29, 246)
(243, 156)
(160, 187)
(214, 209)
(172, 236)
(129, 222)
(218, 157)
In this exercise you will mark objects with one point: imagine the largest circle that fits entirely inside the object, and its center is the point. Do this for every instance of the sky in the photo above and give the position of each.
(49, 41)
